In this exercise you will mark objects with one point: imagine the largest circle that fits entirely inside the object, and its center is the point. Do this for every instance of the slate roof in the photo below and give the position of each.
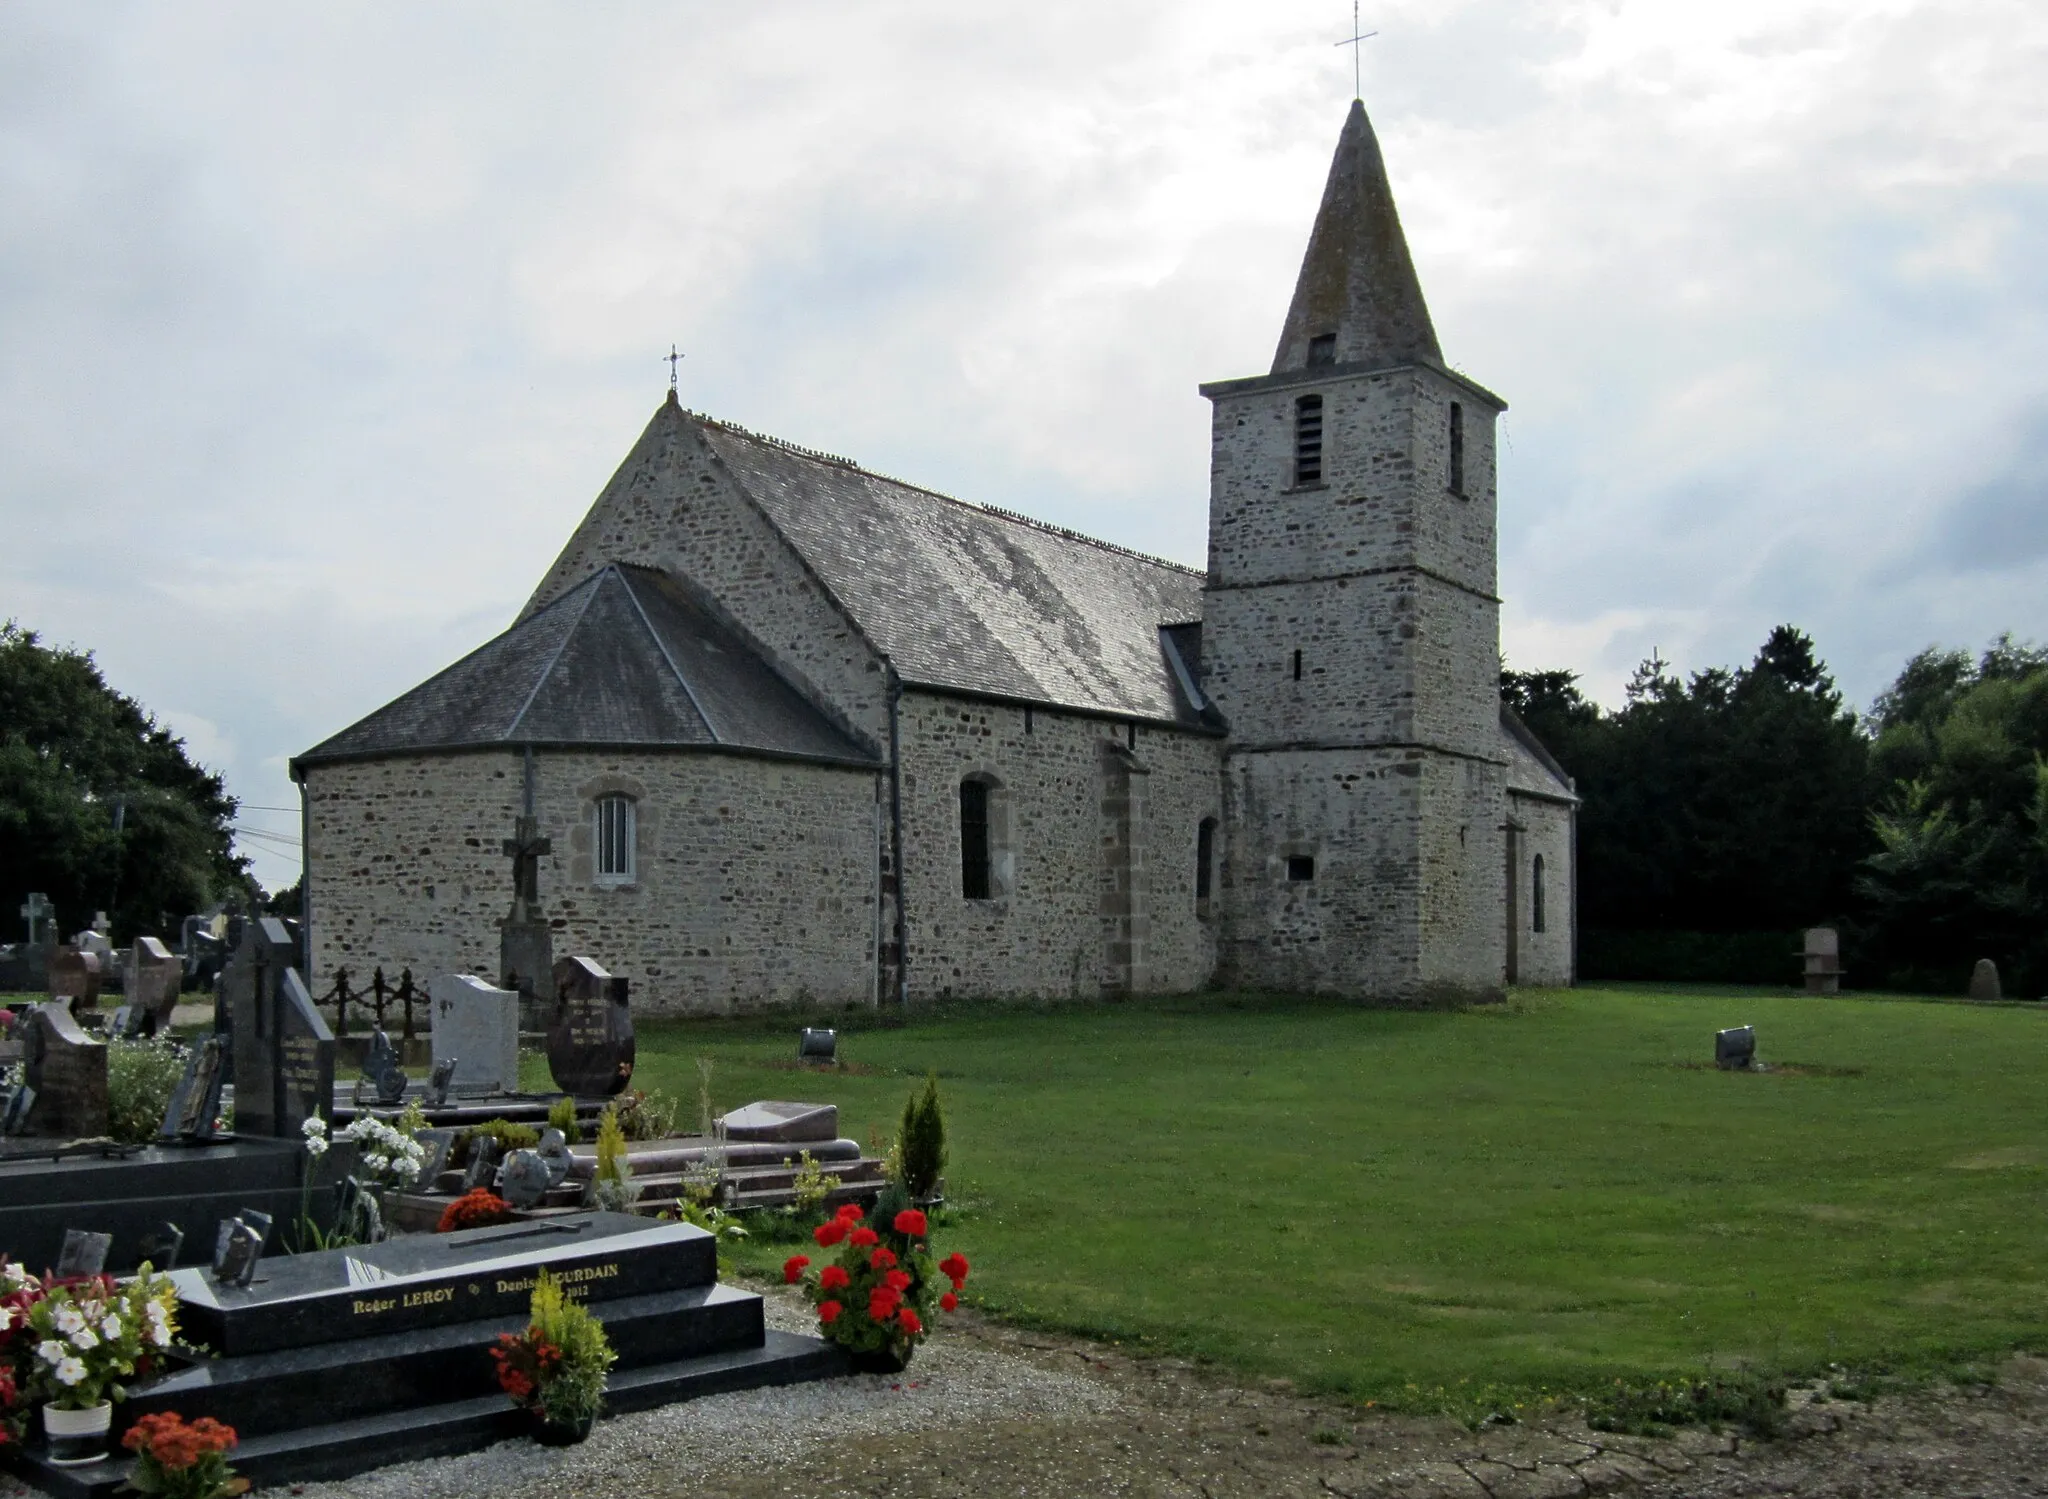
(627, 657)
(1357, 279)
(972, 598)
(1532, 769)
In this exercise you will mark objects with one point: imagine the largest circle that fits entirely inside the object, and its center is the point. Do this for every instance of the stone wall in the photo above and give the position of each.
(755, 879)
(1464, 876)
(1544, 957)
(1054, 917)
(673, 505)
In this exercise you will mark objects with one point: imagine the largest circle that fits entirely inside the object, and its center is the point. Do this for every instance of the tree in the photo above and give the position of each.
(100, 807)
(1961, 871)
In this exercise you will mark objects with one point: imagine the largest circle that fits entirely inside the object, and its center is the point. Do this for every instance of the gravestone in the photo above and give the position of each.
(280, 1041)
(195, 1102)
(154, 978)
(75, 979)
(305, 1071)
(440, 1081)
(590, 1038)
(68, 1071)
(435, 1145)
(479, 1025)
(1735, 1048)
(484, 1151)
(526, 943)
(1823, 956)
(780, 1122)
(1984, 981)
(95, 941)
(41, 917)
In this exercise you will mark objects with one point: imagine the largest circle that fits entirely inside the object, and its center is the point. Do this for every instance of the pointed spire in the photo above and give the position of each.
(1357, 283)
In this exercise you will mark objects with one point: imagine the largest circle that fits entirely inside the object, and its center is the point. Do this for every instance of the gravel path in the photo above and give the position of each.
(990, 1410)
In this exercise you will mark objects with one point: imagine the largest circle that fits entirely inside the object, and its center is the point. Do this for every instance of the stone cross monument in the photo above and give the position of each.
(526, 945)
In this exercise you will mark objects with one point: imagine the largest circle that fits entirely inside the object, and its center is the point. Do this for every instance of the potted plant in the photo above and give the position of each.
(479, 1207)
(555, 1370)
(88, 1336)
(876, 1298)
(180, 1459)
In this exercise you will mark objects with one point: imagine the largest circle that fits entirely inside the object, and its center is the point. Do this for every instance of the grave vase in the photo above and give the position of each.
(558, 1433)
(78, 1437)
(892, 1358)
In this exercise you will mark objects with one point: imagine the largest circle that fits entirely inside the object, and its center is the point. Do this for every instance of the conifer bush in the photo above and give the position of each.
(921, 1144)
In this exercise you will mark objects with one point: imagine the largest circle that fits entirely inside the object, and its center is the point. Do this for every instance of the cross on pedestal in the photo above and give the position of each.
(525, 848)
(37, 910)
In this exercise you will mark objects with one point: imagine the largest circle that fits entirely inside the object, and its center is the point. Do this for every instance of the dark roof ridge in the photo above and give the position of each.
(596, 581)
(667, 656)
(1015, 516)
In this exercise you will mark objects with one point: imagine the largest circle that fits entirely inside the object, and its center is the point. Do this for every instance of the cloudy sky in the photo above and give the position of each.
(320, 325)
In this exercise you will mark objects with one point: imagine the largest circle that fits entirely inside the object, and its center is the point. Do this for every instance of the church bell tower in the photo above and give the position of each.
(1351, 632)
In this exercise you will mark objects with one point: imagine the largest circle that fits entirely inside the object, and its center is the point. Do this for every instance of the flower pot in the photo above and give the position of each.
(891, 1358)
(78, 1437)
(559, 1433)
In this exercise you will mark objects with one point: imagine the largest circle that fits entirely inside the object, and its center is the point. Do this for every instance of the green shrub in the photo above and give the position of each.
(562, 1116)
(611, 1185)
(141, 1077)
(575, 1389)
(922, 1141)
(509, 1134)
(649, 1115)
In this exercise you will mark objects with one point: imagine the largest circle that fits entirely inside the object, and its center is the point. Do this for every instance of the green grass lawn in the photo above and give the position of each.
(1545, 1195)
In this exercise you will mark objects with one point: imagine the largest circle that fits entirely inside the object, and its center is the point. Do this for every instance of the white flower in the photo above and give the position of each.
(315, 1147)
(68, 1319)
(6, 1318)
(84, 1341)
(314, 1127)
(50, 1351)
(13, 1276)
(377, 1162)
(160, 1334)
(70, 1371)
(111, 1329)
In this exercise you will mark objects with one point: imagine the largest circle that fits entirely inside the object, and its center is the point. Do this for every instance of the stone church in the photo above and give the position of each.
(797, 733)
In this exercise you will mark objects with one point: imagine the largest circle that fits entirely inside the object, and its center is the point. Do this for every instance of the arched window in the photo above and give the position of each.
(1205, 865)
(1308, 440)
(1536, 895)
(614, 841)
(986, 863)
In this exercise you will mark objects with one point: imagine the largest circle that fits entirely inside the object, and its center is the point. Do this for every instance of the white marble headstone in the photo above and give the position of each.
(478, 1025)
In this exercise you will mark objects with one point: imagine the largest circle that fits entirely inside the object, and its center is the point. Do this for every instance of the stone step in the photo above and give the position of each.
(343, 1449)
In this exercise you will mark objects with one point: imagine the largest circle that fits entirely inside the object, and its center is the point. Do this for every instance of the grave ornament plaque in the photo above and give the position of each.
(83, 1253)
(382, 1071)
(523, 1179)
(68, 1071)
(161, 1245)
(195, 1102)
(441, 1081)
(305, 1060)
(590, 1039)
(554, 1149)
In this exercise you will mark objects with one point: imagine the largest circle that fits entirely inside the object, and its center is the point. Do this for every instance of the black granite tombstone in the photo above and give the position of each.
(305, 1060)
(68, 1071)
(283, 1050)
(590, 1039)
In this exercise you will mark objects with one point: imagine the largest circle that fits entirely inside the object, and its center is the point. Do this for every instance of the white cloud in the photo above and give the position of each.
(323, 329)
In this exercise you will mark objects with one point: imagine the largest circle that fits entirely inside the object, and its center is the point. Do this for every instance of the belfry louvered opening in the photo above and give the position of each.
(1308, 440)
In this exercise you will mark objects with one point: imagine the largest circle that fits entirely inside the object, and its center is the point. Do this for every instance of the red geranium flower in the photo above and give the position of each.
(883, 1258)
(793, 1268)
(949, 1302)
(860, 1238)
(832, 1278)
(828, 1234)
(828, 1311)
(896, 1280)
(910, 1221)
(849, 1212)
(954, 1267)
(908, 1321)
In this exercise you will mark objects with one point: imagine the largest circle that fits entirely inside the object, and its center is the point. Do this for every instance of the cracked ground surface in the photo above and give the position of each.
(1175, 1430)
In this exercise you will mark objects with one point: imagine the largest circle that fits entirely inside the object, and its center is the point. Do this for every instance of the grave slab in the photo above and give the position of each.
(783, 1122)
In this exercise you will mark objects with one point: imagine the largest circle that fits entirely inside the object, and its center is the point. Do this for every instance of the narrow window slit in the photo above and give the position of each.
(1308, 440)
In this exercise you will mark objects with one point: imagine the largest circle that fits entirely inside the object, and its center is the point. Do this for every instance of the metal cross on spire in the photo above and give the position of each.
(1352, 41)
(670, 359)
